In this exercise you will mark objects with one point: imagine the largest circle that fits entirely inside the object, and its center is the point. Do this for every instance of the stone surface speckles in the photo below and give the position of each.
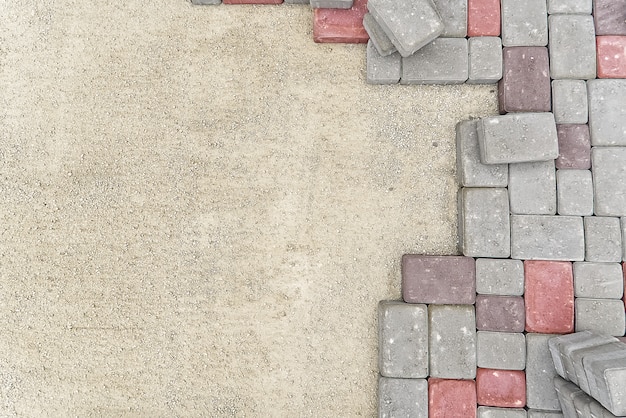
(485, 60)
(546, 237)
(442, 61)
(382, 70)
(603, 239)
(605, 316)
(451, 398)
(402, 397)
(471, 172)
(574, 147)
(340, 26)
(574, 192)
(598, 280)
(607, 112)
(483, 18)
(499, 277)
(501, 350)
(572, 47)
(452, 341)
(532, 188)
(524, 23)
(609, 172)
(569, 101)
(610, 17)
(570, 6)
(525, 84)
(453, 14)
(500, 313)
(502, 388)
(611, 56)
(540, 372)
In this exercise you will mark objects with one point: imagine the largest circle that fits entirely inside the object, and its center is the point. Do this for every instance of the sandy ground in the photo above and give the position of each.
(200, 209)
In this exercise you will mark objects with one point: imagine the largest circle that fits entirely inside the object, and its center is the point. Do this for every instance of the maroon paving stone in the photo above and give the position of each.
(500, 313)
(503, 388)
(438, 279)
(611, 55)
(525, 84)
(574, 147)
(451, 398)
(610, 17)
(339, 25)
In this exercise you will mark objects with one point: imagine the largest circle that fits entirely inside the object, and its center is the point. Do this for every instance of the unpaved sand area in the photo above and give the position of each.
(200, 209)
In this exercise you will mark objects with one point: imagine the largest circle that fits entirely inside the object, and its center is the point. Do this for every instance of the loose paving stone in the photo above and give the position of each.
(582, 404)
(610, 17)
(606, 375)
(501, 350)
(598, 280)
(340, 26)
(569, 101)
(438, 279)
(574, 192)
(484, 227)
(378, 38)
(493, 412)
(453, 14)
(331, 4)
(603, 239)
(570, 6)
(569, 33)
(409, 25)
(499, 277)
(598, 411)
(525, 84)
(549, 296)
(471, 172)
(452, 341)
(503, 388)
(574, 147)
(402, 397)
(524, 23)
(540, 372)
(442, 61)
(485, 60)
(516, 138)
(605, 316)
(566, 391)
(537, 413)
(451, 398)
(532, 188)
(483, 18)
(402, 339)
(611, 56)
(578, 358)
(382, 70)
(609, 173)
(545, 237)
(607, 112)
(500, 313)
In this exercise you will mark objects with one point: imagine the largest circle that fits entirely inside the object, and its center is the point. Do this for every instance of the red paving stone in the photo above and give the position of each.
(611, 55)
(503, 388)
(574, 147)
(610, 17)
(340, 26)
(500, 313)
(451, 398)
(483, 18)
(525, 84)
(549, 297)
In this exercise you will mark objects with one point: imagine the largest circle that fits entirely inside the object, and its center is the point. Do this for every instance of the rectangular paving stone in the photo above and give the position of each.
(540, 372)
(607, 112)
(524, 23)
(502, 388)
(605, 316)
(623, 223)
(340, 26)
(452, 341)
(606, 375)
(574, 147)
(483, 18)
(442, 61)
(611, 56)
(603, 239)
(378, 38)
(538, 413)
(451, 398)
(582, 404)
(382, 70)
(546, 237)
(572, 47)
(494, 412)
(598, 411)
(501, 350)
(517, 138)
(499, 277)
(532, 188)
(453, 14)
(485, 60)
(471, 172)
(610, 17)
(438, 279)
(569, 101)
(570, 7)
(578, 357)
(296, 1)
(574, 192)
(608, 180)
(331, 4)
(206, 2)
(525, 84)
(402, 397)
(598, 280)
(566, 391)
(500, 313)
(252, 1)
(484, 227)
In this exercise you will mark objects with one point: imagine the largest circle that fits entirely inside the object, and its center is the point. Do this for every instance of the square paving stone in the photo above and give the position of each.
(569, 33)
(378, 38)
(598, 280)
(525, 84)
(339, 25)
(532, 188)
(382, 70)
(603, 239)
(524, 23)
(574, 192)
(453, 14)
(402, 397)
(605, 316)
(499, 277)
(493, 412)
(607, 112)
(611, 56)
(483, 18)
(545, 237)
(503, 388)
(540, 372)
(485, 60)
(471, 172)
(549, 296)
(438, 279)
(442, 61)
(574, 147)
(606, 375)
(538, 413)
(500, 313)
(610, 17)
(570, 6)
(451, 398)
(452, 341)
(501, 350)
(609, 172)
(569, 101)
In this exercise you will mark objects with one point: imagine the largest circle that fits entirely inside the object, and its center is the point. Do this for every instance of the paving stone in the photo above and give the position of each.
(378, 38)
(485, 60)
(402, 340)
(493, 412)
(453, 14)
(382, 70)
(540, 372)
(484, 227)
(517, 138)
(598, 280)
(252, 1)
(438, 279)
(340, 26)
(451, 398)
(442, 61)
(598, 411)
(296, 1)
(570, 6)
(605, 316)
(549, 296)
(409, 25)
(572, 47)
(603, 239)
(452, 341)
(608, 180)
(623, 223)
(574, 192)
(582, 404)
(402, 397)
(566, 391)
(574, 147)
(471, 172)
(606, 374)
(206, 2)
(538, 413)
(500, 313)
(610, 17)
(532, 188)
(483, 18)
(611, 56)
(331, 4)
(569, 101)
(524, 23)
(578, 357)
(503, 388)
(501, 350)
(607, 112)
(499, 277)
(525, 84)
(545, 237)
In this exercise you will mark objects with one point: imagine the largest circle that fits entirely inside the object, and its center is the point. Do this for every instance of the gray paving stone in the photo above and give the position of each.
(501, 350)
(574, 192)
(578, 357)
(381, 41)
(484, 226)
(453, 14)
(382, 70)
(485, 60)
(471, 172)
(540, 372)
(605, 316)
(598, 411)
(499, 277)
(570, 6)
(493, 412)
(545, 237)
(296, 1)
(532, 188)
(402, 340)
(206, 2)
(582, 404)
(331, 4)
(598, 280)
(609, 187)
(569, 101)
(402, 398)
(607, 112)
(623, 223)
(572, 47)
(524, 23)
(517, 138)
(409, 24)
(566, 391)
(443, 61)
(606, 374)
(603, 238)
(452, 341)
(538, 413)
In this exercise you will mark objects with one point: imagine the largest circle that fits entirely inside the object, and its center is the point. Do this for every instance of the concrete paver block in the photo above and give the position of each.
(471, 172)
(499, 277)
(538, 413)
(574, 192)
(524, 23)
(451, 398)
(605, 316)
(572, 47)
(453, 14)
(607, 112)
(540, 372)
(382, 70)
(501, 350)
(525, 84)
(252, 1)
(494, 412)
(606, 375)
(608, 180)
(545, 237)
(532, 188)
(603, 239)
(598, 280)
(570, 7)
(569, 101)
(610, 17)
(598, 411)
(574, 147)
(578, 357)
(377, 35)
(503, 388)
(452, 341)
(500, 313)
(485, 60)
(483, 18)
(331, 4)
(402, 397)
(206, 2)
(442, 61)
(340, 26)
(611, 56)
(567, 391)
(623, 224)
